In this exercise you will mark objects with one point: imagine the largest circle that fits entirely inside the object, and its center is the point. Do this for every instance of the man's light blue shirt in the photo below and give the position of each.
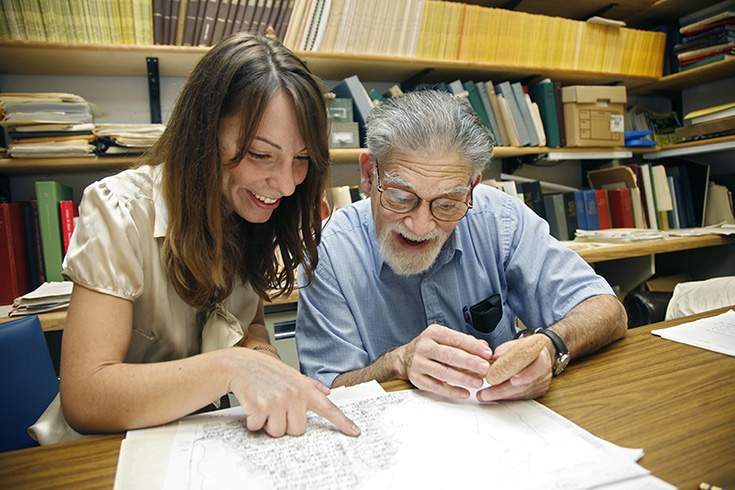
(357, 308)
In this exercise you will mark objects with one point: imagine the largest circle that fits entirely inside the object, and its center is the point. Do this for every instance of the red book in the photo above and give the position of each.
(621, 208)
(603, 209)
(69, 211)
(15, 268)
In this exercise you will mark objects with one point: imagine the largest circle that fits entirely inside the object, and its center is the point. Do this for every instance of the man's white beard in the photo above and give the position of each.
(404, 262)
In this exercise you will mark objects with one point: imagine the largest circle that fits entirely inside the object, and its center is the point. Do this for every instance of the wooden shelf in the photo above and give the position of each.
(30, 166)
(687, 79)
(55, 320)
(625, 251)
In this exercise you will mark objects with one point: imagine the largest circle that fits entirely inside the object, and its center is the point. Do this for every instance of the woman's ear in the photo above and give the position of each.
(366, 172)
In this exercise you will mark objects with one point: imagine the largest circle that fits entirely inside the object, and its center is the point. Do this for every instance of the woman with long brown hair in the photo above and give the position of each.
(171, 261)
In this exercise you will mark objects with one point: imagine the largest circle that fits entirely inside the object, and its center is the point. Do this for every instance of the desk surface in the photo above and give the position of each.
(675, 401)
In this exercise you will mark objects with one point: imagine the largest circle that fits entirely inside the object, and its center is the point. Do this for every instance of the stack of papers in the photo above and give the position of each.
(47, 124)
(126, 139)
(48, 296)
(410, 439)
(715, 333)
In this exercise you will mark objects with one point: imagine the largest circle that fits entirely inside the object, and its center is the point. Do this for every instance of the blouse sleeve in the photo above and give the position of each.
(109, 243)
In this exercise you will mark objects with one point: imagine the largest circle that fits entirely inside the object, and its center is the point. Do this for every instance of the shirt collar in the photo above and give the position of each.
(160, 209)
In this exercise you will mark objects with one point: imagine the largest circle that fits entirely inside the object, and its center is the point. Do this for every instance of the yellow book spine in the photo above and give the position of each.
(423, 44)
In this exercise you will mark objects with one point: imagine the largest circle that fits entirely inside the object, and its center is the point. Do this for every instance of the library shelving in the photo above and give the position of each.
(42, 58)
(29, 166)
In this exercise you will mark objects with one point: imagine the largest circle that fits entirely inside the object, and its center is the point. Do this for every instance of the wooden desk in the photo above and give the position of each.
(675, 401)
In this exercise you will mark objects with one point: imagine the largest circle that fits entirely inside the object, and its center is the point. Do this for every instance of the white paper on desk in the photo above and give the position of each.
(145, 453)
(716, 333)
(409, 439)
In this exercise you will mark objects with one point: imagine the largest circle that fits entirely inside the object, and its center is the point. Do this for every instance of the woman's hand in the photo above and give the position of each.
(276, 397)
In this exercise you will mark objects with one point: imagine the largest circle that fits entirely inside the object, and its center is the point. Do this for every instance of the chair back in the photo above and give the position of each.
(28, 382)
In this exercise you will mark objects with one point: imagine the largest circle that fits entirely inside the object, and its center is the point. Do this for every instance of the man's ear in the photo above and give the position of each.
(366, 172)
(477, 180)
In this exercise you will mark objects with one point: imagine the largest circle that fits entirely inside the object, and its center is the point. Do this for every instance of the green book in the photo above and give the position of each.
(48, 195)
(475, 101)
(543, 95)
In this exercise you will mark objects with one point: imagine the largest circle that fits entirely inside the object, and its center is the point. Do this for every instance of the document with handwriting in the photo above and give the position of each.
(409, 439)
(716, 333)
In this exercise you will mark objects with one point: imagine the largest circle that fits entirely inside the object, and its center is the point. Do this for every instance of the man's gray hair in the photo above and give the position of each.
(430, 122)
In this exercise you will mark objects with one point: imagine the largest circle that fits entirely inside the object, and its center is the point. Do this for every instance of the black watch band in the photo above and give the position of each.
(562, 352)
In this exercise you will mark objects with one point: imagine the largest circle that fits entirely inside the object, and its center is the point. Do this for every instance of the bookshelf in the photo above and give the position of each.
(42, 58)
(69, 59)
(55, 320)
(30, 166)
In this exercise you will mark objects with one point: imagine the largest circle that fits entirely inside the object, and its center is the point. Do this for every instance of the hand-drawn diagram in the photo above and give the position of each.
(409, 440)
(320, 459)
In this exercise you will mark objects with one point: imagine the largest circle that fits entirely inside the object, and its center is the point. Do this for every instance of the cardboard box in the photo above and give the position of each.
(593, 115)
(340, 110)
(344, 135)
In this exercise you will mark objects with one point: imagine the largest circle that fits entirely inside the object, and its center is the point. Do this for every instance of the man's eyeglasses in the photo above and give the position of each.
(402, 201)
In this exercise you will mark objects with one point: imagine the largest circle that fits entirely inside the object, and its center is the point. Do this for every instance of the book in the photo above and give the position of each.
(721, 126)
(14, 260)
(621, 208)
(492, 96)
(220, 21)
(519, 94)
(207, 22)
(711, 113)
(621, 177)
(352, 88)
(560, 114)
(674, 213)
(649, 194)
(664, 126)
(36, 279)
(719, 205)
(544, 95)
(556, 216)
(37, 242)
(506, 91)
(592, 216)
(532, 196)
(580, 210)
(716, 20)
(491, 117)
(664, 202)
(603, 209)
(69, 211)
(570, 210)
(476, 102)
(48, 195)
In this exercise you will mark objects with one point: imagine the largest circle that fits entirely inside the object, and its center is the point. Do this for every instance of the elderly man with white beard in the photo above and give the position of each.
(424, 280)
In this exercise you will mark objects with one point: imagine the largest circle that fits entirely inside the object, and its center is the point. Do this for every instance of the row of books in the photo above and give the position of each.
(206, 22)
(643, 196)
(516, 114)
(710, 122)
(78, 21)
(707, 36)
(35, 236)
(458, 31)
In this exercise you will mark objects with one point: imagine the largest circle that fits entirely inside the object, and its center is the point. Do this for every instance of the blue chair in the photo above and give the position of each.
(28, 383)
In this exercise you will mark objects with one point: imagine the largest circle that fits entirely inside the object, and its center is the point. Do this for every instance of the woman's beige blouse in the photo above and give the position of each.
(116, 249)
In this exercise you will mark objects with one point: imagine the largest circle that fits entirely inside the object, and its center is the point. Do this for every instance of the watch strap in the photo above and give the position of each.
(562, 352)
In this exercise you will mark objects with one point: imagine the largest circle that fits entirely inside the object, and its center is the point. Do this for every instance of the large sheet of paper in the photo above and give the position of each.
(716, 333)
(409, 440)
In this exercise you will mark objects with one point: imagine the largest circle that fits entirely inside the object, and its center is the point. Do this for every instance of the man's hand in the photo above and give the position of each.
(522, 370)
(442, 360)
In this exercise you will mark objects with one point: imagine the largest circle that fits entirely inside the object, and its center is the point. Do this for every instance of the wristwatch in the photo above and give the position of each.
(562, 352)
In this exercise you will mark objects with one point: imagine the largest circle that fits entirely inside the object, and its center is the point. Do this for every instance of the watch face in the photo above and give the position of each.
(561, 362)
